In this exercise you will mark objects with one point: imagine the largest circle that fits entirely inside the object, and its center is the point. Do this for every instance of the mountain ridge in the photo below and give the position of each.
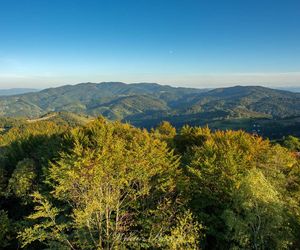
(128, 102)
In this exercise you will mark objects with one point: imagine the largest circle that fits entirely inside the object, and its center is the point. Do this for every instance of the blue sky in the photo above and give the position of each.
(183, 43)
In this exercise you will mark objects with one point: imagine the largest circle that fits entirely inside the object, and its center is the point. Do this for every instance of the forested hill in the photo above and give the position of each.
(114, 100)
(117, 100)
(147, 104)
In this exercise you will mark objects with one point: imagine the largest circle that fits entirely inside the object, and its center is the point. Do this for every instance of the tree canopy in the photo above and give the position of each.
(109, 185)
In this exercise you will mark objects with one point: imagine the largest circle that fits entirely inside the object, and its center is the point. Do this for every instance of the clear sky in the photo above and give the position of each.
(179, 42)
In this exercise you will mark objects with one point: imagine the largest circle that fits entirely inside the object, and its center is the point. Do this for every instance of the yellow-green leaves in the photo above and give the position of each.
(185, 234)
(22, 180)
(113, 179)
(48, 230)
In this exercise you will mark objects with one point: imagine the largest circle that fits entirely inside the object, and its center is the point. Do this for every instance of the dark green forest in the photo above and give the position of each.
(73, 182)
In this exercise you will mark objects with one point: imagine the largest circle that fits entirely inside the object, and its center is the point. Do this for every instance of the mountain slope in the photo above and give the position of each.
(92, 98)
(242, 101)
(145, 102)
(61, 118)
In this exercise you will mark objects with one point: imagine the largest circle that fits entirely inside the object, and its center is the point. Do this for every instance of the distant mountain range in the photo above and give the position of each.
(16, 91)
(146, 104)
(291, 89)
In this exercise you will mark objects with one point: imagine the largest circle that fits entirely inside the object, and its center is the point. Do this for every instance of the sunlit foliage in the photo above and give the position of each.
(108, 185)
